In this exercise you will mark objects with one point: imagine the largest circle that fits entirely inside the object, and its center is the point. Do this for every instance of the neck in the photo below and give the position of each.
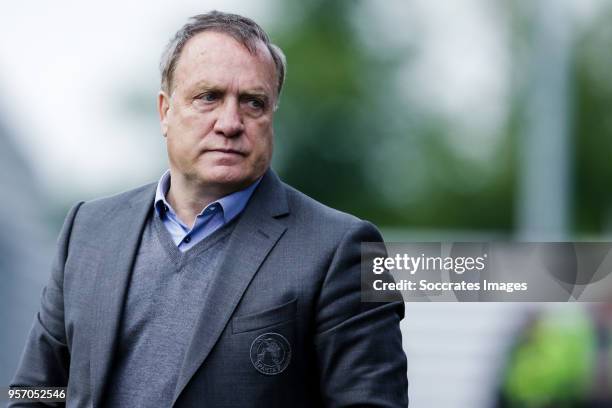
(188, 198)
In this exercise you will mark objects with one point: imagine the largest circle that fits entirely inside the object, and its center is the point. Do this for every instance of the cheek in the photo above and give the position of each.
(172, 149)
(263, 137)
(186, 133)
(189, 123)
(178, 147)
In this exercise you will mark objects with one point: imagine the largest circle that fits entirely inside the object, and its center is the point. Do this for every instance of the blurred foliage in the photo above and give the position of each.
(327, 122)
(345, 136)
(593, 126)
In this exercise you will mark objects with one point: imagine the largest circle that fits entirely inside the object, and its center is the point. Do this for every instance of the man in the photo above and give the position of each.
(218, 286)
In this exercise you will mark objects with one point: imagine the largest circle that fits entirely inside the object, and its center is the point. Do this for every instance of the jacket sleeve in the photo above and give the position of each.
(46, 357)
(358, 344)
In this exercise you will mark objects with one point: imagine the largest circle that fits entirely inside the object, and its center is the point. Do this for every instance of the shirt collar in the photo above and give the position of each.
(231, 204)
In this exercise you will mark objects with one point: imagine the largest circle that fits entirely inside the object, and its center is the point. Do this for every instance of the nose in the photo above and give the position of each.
(229, 121)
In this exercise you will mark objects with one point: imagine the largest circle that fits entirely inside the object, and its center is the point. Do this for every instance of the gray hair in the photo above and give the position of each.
(242, 29)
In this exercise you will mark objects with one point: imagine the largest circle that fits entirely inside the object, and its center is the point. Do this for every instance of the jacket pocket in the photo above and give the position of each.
(269, 317)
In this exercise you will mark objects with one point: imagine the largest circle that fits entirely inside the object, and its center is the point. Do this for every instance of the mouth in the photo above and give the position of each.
(225, 151)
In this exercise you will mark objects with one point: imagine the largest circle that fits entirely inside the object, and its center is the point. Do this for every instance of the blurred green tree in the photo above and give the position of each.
(592, 126)
(345, 136)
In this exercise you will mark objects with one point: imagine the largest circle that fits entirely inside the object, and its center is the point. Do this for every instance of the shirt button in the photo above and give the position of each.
(187, 239)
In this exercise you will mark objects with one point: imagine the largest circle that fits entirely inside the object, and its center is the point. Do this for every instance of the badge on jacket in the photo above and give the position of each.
(270, 353)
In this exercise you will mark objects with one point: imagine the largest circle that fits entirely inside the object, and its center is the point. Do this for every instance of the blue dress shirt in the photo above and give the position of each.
(211, 218)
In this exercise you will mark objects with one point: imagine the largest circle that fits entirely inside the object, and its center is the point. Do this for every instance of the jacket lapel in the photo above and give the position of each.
(256, 233)
(121, 238)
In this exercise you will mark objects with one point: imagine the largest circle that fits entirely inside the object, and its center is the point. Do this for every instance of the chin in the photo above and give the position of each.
(228, 177)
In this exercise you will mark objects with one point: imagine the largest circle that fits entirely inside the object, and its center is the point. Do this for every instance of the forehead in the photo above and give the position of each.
(219, 60)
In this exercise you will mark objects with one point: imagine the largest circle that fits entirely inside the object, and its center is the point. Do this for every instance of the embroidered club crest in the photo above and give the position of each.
(270, 353)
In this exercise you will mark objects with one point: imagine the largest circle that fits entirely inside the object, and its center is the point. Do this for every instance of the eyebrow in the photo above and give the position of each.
(256, 94)
(258, 91)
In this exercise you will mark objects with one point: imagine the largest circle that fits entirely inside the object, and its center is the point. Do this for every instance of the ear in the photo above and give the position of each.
(163, 106)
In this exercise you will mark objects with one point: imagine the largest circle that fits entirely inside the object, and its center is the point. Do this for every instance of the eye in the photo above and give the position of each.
(208, 97)
(256, 103)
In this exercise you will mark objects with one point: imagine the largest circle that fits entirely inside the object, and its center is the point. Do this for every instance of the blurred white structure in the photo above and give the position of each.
(544, 152)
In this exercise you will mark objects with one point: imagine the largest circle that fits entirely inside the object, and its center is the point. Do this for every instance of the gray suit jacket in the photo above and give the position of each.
(285, 327)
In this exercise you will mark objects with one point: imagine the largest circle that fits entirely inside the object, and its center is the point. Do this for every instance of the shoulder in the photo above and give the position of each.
(317, 219)
(103, 206)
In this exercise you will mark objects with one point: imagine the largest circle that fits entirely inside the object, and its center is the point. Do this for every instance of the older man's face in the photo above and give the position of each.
(218, 119)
